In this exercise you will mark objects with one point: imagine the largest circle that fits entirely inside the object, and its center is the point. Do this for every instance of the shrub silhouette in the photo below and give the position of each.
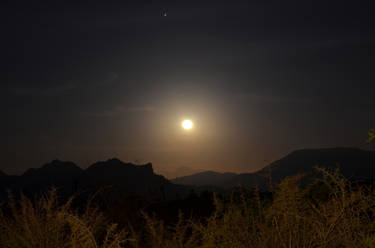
(43, 223)
(339, 217)
(332, 212)
(371, 136)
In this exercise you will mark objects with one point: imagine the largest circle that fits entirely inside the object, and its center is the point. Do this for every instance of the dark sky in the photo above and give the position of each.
(90, 80)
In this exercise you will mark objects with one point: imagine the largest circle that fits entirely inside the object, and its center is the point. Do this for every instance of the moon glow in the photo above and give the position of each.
(187, 124)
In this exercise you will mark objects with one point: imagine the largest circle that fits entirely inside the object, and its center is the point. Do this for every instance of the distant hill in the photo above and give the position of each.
(118, 177)
(62, 175)
(55, 173)
(171, 172)
(206, 178)
(128, 178)
(353, 163)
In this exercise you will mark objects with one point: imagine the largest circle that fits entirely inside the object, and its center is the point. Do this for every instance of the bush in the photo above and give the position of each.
(329, 213)
(43, 223)
(294, 218)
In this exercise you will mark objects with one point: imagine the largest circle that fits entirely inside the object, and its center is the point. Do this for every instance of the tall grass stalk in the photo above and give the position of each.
(43, 223)
(329, 213)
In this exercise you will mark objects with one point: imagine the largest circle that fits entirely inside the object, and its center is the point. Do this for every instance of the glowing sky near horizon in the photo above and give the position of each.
(87, 81)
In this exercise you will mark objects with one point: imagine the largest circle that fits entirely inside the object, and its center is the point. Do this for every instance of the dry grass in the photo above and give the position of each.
(43, 223)
(336, 215)
(339, 217)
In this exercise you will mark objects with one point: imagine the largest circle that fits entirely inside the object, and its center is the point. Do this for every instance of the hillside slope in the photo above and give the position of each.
(353, 163)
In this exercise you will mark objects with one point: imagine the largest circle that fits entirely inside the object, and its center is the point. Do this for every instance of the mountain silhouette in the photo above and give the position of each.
(126, 178)
(176, 171)
(206, 178)
(55, 172)
(121, 178)
(353, 163)
(62, 175)
(129, 179)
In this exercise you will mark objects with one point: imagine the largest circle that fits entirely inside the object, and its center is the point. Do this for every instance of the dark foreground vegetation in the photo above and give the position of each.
(331, 212)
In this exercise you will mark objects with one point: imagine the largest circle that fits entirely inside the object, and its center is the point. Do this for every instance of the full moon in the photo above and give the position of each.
(187, 124)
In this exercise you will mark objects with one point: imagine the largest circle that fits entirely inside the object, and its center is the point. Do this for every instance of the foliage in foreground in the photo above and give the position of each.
(44, 223)
(333, 213)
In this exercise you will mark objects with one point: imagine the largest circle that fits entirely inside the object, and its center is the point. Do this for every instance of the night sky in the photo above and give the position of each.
(91, 80)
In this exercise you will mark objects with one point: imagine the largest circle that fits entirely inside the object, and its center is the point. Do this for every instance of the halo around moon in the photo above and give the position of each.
(187, 124)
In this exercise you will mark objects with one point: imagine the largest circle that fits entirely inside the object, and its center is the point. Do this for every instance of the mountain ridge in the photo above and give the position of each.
(123, 179)
(205, 178)
(352, 162)
(127, 178)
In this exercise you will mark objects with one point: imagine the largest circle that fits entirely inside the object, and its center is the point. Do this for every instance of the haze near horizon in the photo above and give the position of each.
(85, 82)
